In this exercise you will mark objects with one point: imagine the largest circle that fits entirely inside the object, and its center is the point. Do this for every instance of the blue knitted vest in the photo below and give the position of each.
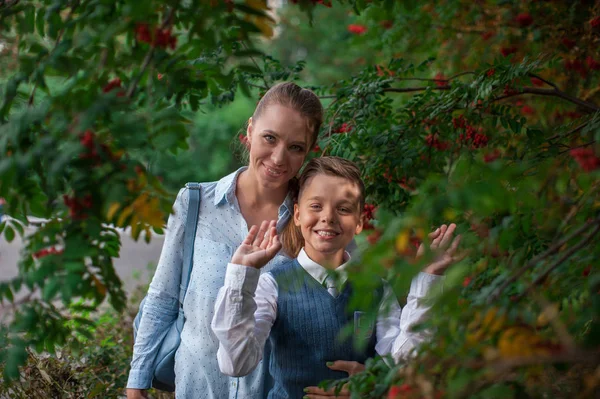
(305, 335)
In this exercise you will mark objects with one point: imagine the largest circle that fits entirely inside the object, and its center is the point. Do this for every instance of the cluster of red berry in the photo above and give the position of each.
(369, 214)
(114, 84)
(344, 128)
(78, 206)
(93, 149)
(47, 251)
(433, 141)
(474, 138)
(586, 158)
(158, 37)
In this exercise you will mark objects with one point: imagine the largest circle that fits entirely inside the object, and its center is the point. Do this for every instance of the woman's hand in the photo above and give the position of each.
(260, 246)
(339, 365)
(445, 246)
(136, 393)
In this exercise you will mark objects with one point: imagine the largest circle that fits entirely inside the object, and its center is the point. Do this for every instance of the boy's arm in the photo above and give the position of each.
(245, 311)
(413, 313)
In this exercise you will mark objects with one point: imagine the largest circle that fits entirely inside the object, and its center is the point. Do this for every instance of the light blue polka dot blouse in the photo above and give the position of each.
(221, 229)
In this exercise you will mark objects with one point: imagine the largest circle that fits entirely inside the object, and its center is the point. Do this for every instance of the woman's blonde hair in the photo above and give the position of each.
(291, 236)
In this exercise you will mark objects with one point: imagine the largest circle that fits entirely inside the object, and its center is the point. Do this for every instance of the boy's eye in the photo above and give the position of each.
(315, 206)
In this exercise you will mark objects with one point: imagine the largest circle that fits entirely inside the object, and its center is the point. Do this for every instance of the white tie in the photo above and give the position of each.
(330, 284)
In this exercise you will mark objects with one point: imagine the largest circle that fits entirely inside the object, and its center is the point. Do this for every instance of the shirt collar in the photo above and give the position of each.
(225, 192)
(225, 189)
(320, 273)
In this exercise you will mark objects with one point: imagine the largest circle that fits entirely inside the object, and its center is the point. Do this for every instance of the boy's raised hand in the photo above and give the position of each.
(446, 247)
(260, 246)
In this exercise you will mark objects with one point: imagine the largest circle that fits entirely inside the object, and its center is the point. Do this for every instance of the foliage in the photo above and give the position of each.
(482, 114)
(97, 86)
(498, 135)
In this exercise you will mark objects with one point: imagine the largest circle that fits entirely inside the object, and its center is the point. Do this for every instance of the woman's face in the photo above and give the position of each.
(279, 142)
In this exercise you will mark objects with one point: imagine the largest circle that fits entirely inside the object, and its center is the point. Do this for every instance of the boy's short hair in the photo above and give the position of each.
(291, 237)
(332, 166)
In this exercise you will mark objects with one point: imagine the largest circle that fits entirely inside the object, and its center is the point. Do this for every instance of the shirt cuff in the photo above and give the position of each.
(243, 278)
(423, 282)
(139, 379)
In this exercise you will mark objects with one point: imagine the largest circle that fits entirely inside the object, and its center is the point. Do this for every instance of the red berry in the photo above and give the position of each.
(487, 35)
(467, 281)
(586, 158)
(592, 63)
(527, 110)
(595, 22)
(524, 19)
(568, 43)
(491, 156)
(537, 82)
(506, 51)
(357, 29)
(586, 272)
(440, 80)
(387, 24)
(490, 72)
(344, 128)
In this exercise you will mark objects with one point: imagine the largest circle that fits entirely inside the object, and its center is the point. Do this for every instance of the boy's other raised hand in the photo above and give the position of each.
(443, 243)
(260, 246)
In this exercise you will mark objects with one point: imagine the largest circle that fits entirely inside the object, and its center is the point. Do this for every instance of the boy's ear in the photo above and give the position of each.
(361, 222)
(296, 215)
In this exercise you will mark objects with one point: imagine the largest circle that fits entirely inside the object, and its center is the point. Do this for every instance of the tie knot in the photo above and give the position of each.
(331, 285)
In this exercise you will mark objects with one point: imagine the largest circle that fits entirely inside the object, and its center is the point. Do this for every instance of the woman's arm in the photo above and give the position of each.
(162, 302)
(245, 311)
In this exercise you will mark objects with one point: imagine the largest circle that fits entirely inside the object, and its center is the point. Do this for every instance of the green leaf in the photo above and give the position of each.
(40, 21)
(9, 233)
(50, 289)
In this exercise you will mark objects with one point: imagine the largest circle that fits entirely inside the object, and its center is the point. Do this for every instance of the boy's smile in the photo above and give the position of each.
(329, 217)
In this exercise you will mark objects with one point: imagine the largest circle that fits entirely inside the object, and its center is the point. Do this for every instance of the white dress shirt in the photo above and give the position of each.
(246, 308)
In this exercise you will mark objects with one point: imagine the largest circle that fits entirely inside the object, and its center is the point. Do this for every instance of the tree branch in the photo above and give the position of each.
(413, 89)
(570, 252)
(591, 107)
(550, 251)
(570, 132)
(579, 146)
(533, 75)
(148, 58)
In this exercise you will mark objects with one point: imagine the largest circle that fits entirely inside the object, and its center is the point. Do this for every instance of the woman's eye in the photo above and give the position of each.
(269, 138)
(297, 148)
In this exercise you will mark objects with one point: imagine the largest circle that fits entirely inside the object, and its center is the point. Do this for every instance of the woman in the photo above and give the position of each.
(281, 132)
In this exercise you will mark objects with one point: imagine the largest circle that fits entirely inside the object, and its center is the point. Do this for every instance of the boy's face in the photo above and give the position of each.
(329, 217)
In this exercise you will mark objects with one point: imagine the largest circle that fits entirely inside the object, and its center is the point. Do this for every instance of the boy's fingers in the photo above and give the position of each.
(436, 242)
(454, 245)
(273, 247)
(434, 234)
(447, 236)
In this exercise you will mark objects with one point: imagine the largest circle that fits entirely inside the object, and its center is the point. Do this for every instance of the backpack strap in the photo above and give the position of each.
(191, 224)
